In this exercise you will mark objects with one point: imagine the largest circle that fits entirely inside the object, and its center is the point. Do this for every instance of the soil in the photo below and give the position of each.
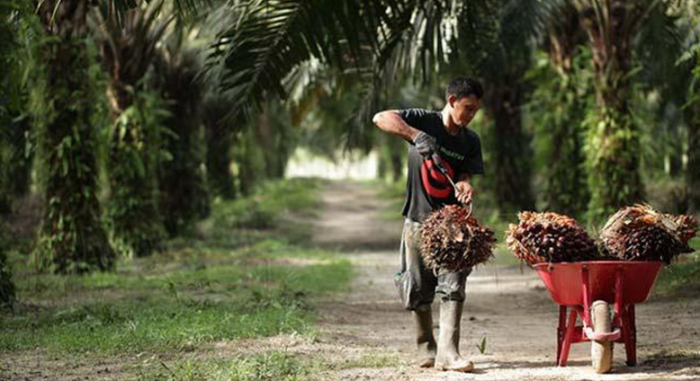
(364, 333)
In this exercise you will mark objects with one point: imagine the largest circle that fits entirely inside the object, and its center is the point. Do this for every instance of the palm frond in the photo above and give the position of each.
(129, 47)
(268, 39)
(417, 44)
(660, 44)
(183, 9)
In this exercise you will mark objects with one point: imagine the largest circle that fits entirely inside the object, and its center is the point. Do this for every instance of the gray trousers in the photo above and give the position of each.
(418, 284)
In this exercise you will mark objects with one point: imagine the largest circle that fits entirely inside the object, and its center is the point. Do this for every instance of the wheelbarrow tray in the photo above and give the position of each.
(565, 281)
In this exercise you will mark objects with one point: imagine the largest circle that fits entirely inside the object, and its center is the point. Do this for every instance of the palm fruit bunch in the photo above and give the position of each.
(550, 237)
(687, 227)
(640, 233)
(453, 240)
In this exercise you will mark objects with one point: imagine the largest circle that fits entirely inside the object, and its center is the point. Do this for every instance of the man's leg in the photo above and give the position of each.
(452, 294)
(418, 292)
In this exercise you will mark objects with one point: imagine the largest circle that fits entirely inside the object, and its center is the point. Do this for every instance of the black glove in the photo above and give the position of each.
(425, 144)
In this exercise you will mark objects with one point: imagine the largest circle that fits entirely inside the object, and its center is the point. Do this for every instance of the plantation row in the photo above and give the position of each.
(128, 118)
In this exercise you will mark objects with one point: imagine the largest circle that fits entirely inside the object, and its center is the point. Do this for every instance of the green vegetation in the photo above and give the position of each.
(681, 278)
(72, 238)
(136, 132)
(149, 138)
(221, 285)
(265, 366)
(175, 300)
(269, 366)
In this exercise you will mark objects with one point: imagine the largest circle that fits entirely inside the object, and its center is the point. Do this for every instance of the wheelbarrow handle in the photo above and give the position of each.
(602, 336)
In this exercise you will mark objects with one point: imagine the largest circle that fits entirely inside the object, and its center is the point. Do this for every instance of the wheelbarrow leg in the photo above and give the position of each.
(561, 331)
(564, 355)
(630, 335)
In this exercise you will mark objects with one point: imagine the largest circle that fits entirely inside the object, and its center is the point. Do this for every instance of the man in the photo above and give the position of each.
(438, 138)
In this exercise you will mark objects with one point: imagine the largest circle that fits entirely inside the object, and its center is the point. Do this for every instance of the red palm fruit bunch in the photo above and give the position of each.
(453, 240)
(550, 237)
(687, 227)
(640, 233)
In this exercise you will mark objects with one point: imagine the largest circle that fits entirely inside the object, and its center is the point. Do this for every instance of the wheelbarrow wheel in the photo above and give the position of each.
(601, 351)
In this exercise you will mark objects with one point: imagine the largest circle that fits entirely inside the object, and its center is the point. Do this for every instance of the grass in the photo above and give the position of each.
(682, 278)
(268, 366)
(219, 285)
(266, 214)
(370, 360)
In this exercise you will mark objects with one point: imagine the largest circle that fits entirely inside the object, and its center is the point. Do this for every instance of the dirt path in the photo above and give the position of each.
(368, 332)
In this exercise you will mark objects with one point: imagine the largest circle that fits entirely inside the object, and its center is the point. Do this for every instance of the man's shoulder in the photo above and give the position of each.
(471, 135)
(417, 111)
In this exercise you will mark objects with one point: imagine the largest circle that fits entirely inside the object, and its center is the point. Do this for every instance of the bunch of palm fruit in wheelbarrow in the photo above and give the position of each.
(635, 233)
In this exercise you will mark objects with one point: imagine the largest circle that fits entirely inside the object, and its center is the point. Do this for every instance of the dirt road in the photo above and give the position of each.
(369, 332)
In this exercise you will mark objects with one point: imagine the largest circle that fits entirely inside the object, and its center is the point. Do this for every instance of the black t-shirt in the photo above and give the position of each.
(427, 189)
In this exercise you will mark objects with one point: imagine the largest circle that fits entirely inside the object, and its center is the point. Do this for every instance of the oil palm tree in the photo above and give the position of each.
(613, 148)
(692, 175)
(128, 49)
(184, 196)
(500, 38)
(559, 105)
(72, 238)
(8, 45)
(14, 125)
(220, 139)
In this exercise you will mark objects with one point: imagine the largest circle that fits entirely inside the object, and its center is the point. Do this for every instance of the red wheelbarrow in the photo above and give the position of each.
(586, 290)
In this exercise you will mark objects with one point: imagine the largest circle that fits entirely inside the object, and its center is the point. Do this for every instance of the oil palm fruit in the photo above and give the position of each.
(453, 240)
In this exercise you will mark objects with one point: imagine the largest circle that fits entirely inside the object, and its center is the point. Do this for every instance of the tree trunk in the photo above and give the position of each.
(133, 213)
(567, 190)
(613, 149)
(276, 138)
(182, 181)
(513, 155)
(693, 168)
(220, 141)
(7, 288)
(21, 169)
(72, 238)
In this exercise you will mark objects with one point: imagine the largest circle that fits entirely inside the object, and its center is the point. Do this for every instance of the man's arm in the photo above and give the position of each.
(391, 122)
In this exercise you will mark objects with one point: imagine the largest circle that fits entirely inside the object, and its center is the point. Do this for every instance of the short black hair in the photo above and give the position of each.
(464, 87)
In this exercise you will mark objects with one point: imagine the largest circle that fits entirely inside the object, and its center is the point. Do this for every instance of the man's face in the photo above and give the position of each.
(464, 109)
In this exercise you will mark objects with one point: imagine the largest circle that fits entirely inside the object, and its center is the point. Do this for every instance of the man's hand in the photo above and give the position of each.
(464, 192)
(425, 144)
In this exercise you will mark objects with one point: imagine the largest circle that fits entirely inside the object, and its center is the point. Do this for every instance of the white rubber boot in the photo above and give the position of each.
(448, 357)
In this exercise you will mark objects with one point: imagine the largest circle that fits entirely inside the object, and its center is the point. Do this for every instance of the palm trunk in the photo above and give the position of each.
(693, 168)
(613, 149)
(133, 213)
(184, 195)
(220, 141)
(275, 138)
(137, 228)
(72, 238)
(567, 190)
(513, 156)
(20, 171)
(7, 288)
